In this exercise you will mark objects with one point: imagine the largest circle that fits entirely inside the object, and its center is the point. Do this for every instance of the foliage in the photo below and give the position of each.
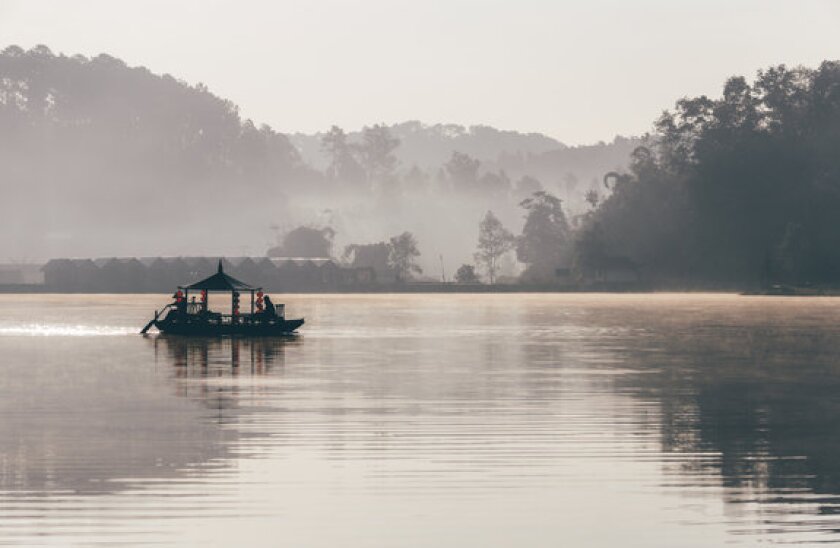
(376, 153)
(462, 171)
(544, 244)
(403, 256)
(592, 198)
(726, 183)
(466, 275)
(305, 241)
(107, 152)
(494, 240)
(590, 250)
(343, 166)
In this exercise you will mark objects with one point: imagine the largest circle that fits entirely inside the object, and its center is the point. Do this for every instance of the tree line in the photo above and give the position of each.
(542, 246)
(736, 190)
(743, 189)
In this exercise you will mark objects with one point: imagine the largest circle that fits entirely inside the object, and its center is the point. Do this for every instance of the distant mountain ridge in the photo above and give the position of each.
(101, 158)
(429, 146)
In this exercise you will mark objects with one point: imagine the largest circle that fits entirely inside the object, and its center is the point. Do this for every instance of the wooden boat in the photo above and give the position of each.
(184, 317)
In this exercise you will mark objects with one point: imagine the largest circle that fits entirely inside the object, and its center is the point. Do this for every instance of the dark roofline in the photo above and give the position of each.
(220, 282)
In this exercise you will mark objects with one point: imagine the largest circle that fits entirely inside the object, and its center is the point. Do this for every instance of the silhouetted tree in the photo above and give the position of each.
(545, 237)
(494, 240)
(403, 255)
(466, 275)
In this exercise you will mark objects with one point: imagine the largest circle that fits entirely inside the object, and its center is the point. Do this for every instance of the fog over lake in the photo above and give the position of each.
(419, 274)
(690, 420)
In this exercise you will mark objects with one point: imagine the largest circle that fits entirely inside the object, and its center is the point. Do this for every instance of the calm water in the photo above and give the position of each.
(442, 420)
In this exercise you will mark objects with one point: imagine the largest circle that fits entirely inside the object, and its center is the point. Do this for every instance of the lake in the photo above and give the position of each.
(425, 420)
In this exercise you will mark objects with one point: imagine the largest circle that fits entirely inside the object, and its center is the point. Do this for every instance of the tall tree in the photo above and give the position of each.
(544, 243)
(377, 153)
(343, 166)
(494, 240)
(403, 256)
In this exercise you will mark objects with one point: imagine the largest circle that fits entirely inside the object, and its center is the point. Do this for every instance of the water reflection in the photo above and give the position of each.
(206, 356)
(578, 419)
(90, 425)
(758, 389)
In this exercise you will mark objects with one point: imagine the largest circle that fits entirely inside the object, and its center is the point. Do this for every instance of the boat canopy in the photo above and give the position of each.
(221, 282)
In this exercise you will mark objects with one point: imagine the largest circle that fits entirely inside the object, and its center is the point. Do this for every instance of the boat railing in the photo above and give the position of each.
(228, 319)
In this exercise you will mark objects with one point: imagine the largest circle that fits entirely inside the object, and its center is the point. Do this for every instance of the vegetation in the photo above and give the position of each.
(305, 241)
(545, 241)
(731, 191)
(403, 256)
(494, 241)
(740, 189)
(466, 275)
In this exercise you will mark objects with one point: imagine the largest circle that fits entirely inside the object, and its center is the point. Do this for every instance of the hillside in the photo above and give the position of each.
(111, 156)
(118, 160)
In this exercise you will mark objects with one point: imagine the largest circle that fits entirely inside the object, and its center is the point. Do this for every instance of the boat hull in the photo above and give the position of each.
(276, 327)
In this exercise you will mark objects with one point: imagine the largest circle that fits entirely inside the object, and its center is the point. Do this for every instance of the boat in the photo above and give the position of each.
(191, 317)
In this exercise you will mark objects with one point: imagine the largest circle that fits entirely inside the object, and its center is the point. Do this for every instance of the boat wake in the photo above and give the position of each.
(62, 330)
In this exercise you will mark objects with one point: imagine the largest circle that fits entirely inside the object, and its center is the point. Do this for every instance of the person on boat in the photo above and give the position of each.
(180, 303)
(270, 311)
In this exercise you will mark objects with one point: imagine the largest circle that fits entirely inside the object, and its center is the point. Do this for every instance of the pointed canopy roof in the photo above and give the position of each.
(221, 282)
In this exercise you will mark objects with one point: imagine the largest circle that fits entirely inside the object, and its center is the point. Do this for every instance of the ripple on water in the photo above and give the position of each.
(63, 330)
(433, 421)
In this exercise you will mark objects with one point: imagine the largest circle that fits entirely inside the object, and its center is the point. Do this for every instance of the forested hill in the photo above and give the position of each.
(430, 146)
(739, 189)
(92, 149)
(100, 158)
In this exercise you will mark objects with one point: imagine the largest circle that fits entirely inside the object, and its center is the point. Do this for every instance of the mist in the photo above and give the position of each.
(104, 159)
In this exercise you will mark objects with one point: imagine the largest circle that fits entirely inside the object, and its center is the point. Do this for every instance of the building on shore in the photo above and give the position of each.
(162, 274)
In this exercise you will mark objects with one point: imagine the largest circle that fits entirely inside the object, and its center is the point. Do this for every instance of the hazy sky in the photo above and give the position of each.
(580, 71)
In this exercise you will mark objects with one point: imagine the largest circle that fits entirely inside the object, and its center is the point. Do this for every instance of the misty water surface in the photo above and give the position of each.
(420, 420)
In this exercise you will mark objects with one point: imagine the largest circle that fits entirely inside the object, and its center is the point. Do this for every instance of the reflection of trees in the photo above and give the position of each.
(83, 424)
(763, 397)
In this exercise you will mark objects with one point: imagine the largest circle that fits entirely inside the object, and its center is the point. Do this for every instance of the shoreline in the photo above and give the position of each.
(454, 288)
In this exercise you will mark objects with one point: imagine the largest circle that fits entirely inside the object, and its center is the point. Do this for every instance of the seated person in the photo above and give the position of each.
(270, 311)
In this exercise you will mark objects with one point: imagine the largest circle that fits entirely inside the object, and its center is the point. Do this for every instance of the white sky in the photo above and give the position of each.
(579, 71)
